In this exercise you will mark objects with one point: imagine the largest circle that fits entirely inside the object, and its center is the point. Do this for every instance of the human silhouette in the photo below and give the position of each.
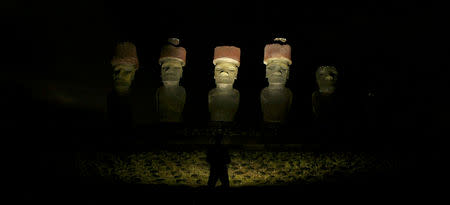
(218, 159)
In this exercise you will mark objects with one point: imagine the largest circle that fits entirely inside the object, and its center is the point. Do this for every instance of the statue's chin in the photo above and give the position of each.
(170, 78)
(171, 82)
(277, 80)
(327, 90)
(122, 89)
(224, 81)
(122, 83)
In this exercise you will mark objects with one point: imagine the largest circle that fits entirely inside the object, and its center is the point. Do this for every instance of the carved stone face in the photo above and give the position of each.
(171, 70)
(123, 76)
(277, 72)
(225, 73)
(326, 78)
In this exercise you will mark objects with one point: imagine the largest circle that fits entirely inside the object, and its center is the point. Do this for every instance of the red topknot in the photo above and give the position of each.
(277, 51)
(125, 54)
(230, 54)
(173, 51)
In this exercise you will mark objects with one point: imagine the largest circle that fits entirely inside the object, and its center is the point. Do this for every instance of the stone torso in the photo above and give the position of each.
(223, 104)
(171, 103)
(325, 108)
(275, 104)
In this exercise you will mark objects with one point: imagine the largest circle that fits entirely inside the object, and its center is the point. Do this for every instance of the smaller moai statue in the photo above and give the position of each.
(125, 63)
(276, 99)
(324, 99)
(171, 97)
(223, 101)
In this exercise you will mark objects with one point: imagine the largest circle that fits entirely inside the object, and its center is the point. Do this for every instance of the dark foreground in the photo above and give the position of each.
(373, 190)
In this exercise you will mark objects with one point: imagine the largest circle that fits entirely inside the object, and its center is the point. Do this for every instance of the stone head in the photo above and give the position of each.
(226, 61)
(326, 78)
(277, 71)
(171, 69)
(172, 61)
(125, 63)
(225, 73)
(277, 58)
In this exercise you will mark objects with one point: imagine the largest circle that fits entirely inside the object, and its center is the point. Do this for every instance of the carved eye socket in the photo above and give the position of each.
(221, 70)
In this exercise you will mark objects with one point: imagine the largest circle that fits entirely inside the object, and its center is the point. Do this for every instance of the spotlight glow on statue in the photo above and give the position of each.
(276, 99)
(171, 97)
(125, 64)
(223, 100)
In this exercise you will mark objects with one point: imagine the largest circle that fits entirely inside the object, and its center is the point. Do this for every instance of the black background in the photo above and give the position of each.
(56, 56)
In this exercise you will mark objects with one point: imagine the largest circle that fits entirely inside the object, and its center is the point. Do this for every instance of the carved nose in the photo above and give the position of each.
(223, 74)
(329, 78)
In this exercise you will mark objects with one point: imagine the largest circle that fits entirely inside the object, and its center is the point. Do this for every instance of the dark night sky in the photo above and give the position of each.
(59, 52)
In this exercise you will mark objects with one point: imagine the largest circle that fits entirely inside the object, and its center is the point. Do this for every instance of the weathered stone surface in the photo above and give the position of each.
(125, 54)
(173, 52)
(227, 53)
(223, 104)
(124, 63)
(171, 100)
(276, 99)
(171, 97)
(223, 101)
(277, 51)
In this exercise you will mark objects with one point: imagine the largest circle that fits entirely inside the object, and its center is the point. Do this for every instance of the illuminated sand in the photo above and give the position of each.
(248, 168)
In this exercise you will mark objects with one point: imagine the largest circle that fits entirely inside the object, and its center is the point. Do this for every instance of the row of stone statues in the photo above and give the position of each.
(223, 100)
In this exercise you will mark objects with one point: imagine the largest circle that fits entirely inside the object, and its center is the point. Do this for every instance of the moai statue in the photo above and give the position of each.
(324, 100)
(125, 63)
(171, 96)
(276, 99)
(223, 101)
